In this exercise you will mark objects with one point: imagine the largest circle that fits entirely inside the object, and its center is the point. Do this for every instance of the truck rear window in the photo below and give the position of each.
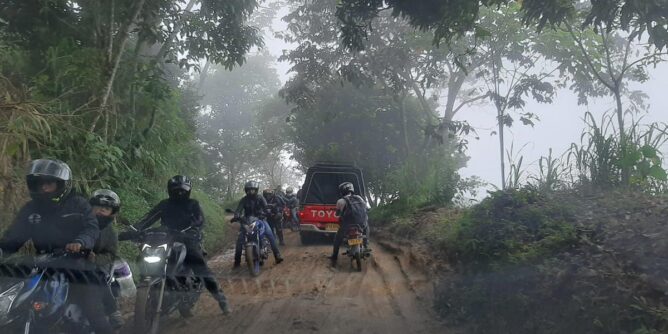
(323, 187)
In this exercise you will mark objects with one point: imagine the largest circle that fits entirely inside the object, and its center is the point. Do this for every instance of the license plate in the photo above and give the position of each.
(354, 242)
(332, 227)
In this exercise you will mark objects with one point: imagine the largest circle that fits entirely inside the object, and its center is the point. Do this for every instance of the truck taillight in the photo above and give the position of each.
(301, 214)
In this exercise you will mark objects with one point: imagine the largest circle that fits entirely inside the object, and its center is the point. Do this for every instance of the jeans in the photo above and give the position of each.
(276, 224)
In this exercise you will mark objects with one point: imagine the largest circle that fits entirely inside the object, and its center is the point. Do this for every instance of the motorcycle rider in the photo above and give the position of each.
(278, 191)
(106, 204)
(345, 206)
(275, 219)
(254, 205)
(292, 202)
(56, 219)
(180, 212)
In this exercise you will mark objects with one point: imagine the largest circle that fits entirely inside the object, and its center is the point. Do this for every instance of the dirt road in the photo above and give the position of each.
(304, 295)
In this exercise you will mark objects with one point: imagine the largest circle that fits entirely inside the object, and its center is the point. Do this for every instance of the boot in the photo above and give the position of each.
(223, 304)
(279, 259)
(116, 320)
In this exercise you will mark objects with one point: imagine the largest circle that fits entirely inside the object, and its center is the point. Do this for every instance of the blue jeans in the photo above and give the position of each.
(267, 233)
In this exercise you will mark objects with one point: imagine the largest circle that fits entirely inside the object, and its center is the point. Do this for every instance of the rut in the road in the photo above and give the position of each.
(304, 295)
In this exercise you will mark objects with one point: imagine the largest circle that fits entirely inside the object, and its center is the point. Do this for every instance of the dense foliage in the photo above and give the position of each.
(104, 87)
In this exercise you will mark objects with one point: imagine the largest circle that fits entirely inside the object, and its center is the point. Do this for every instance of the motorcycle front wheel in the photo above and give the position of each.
(253, 260)
(146, 310)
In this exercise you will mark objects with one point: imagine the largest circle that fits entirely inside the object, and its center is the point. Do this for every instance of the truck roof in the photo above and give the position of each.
(322, 182)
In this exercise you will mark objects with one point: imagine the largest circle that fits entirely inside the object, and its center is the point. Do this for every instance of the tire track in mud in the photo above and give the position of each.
(304, 295)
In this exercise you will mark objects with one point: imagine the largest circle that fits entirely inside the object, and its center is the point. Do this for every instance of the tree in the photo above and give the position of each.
(357, 124)
(449, 19)
(106, 84)
(511, 67)
(599, 62)
(235, 129)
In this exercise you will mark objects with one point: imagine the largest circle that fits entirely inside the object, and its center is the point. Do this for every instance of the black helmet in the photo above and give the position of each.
(47, 170)
(106, 198)
(178, 187)
(289, 191)
(346, 188)
(251, 188)
(267, 193)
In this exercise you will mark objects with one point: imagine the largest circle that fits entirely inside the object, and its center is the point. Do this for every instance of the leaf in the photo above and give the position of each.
(648, 152)
(658, 173)
(526, 121)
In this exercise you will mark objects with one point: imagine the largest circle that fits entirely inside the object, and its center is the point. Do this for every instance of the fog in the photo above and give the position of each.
(561, 122)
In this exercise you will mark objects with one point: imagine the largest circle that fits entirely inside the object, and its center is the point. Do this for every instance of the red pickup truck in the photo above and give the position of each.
(318, 197)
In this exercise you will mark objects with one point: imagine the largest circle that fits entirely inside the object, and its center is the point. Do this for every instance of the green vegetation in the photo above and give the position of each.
(106, 87)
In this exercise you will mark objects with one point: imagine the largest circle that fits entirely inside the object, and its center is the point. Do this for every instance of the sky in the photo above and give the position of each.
(561, 123)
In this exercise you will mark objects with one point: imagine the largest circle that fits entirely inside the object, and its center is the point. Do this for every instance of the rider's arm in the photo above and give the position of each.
(264, 207)
(90, 230)
(197, 215)
(106, 249)
(240, 207)
(17, 234)
(340, 206)
(150, 218)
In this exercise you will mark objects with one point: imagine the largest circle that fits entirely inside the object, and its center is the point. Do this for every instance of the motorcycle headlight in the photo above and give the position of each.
(7, 299)
(154, 254)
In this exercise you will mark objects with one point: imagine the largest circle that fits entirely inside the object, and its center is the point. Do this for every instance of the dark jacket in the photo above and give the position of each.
(177, 215)
(276, 203)
(252, 206)
(52, 228)
(291, 201)
(106, 248)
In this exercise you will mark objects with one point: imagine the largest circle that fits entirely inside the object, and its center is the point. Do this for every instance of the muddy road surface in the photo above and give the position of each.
(304, 295)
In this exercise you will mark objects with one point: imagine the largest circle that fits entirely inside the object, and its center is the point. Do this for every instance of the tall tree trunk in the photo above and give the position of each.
(177, 29)
(500, 117)
(626, 172)
(203, 74)
(124, 36)
(454, 87)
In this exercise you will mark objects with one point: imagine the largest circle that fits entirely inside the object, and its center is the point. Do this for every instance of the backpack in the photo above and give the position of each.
(355, 211)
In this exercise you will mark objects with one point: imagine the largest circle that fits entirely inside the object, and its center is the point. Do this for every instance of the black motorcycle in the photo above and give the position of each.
(165, 284)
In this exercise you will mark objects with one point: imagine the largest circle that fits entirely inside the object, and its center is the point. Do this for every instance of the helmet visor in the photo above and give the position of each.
(50, 168)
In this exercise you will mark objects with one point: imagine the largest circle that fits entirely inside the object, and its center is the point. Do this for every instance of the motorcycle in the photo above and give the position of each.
(256, 250)
(354, 241)
(35, 295)
(165, 284)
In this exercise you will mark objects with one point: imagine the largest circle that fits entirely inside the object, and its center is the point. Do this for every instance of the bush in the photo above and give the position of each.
(510, 227)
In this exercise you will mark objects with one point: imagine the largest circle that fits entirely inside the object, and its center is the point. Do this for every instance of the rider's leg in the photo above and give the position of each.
(237, 249)
(195, 260)
(89, 295)
(111, 308)
(338, 239)
(272, 243)
(279, 231)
